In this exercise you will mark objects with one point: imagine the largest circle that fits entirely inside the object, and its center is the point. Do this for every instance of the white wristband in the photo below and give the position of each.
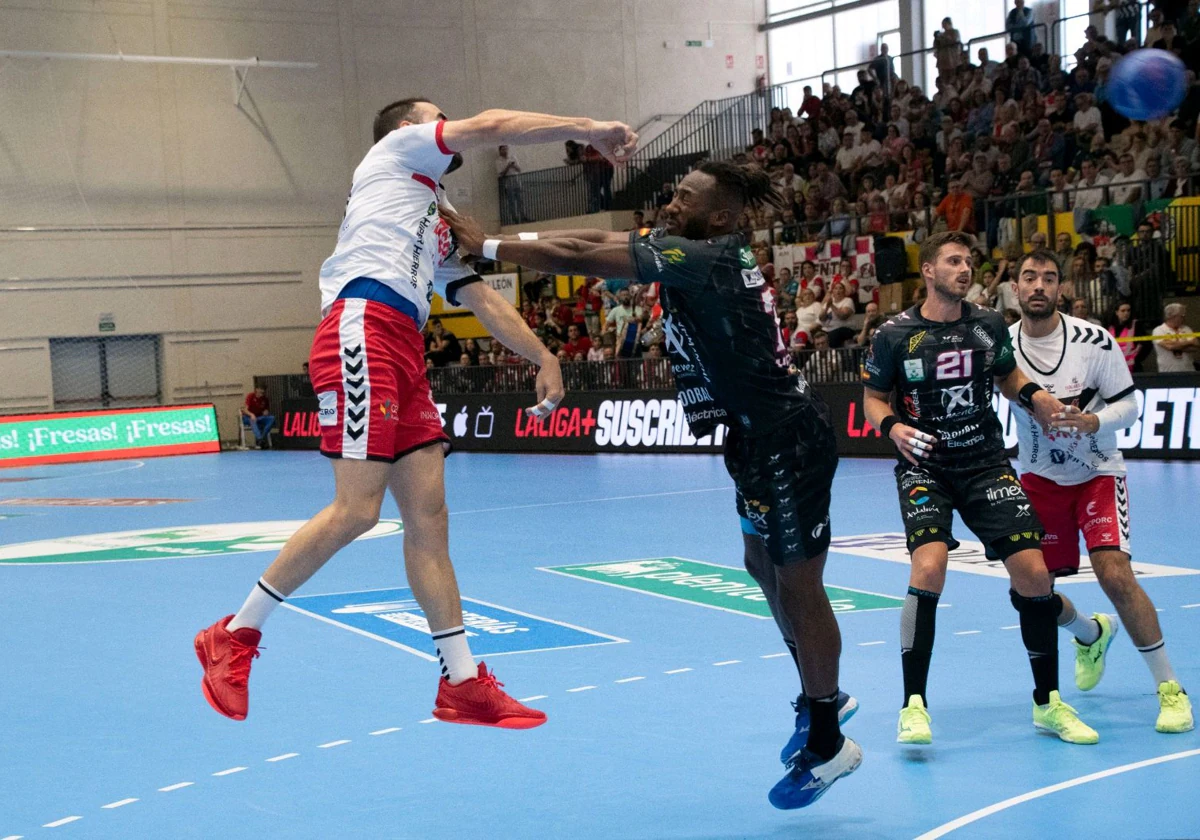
(527, 235)
(489, 248)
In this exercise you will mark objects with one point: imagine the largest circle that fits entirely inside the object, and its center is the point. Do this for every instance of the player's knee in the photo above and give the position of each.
(354, 520)
(1117, 580)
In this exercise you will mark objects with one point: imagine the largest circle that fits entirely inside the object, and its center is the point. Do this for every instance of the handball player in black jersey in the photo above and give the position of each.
(731, 368)
(940, 359)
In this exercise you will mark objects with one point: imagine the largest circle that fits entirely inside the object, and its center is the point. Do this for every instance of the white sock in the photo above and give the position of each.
(1083, 627)
(1156, 660)
(262, 601)
(455, 655)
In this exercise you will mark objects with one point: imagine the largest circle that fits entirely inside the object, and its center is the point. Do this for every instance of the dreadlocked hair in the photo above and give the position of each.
(749, 184)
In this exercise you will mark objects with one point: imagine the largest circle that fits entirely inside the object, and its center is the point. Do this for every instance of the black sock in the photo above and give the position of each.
(791, 646)
(1039, 631)
(824, 733)
(917, 622)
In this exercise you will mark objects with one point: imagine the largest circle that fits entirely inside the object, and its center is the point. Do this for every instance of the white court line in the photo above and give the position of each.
(12, 837)
(63, 821)
(1011, 627)
(387, 731)
(528, 699)
(119, 803)
(333, 744)
(773, 655)
(1190, 606)
(581, 688)
(230, 771)
(678, 671)
(967, 632)
(868, 644)
(170, 788)
(975, 816)
(283, 757)
(629, 679)
(428, 720)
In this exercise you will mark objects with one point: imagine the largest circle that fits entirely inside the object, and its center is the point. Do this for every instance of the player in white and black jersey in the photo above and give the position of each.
(1075, 478)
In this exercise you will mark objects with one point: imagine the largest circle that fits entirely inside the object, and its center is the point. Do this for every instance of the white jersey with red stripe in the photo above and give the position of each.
(1080, 364)
(392, 232)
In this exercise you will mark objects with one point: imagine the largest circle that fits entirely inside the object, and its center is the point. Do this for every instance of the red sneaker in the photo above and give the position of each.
(480, 701)
(226, 659)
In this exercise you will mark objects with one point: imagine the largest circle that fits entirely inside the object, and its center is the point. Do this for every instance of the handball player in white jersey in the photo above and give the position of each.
(1074, 476)
(379, 424)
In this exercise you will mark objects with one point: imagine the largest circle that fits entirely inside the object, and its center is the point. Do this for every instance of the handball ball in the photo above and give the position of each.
(1147, 84)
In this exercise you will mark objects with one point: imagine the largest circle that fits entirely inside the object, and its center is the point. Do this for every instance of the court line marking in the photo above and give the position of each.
(428, 720)
(422, 654)
(581, 688)
(333, 744)
(119, 803)
(629, 679)
(13, 837)
(869, 644)
(975, 816)
(283, 757)
(727, 662)
(678, 671)
(1190, 606)
(170, 788)
(230, 771)
(640, 496)
(387, 731)
(653, 594)
(967, 632)
(63, 821)
(773, 655)
(1011, 627)
(528, 699)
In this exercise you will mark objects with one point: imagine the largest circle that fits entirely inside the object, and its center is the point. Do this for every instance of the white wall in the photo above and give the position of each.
(145, 146)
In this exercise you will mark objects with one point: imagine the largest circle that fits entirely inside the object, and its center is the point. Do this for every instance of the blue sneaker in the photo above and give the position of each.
(847, 706)
(808, 777)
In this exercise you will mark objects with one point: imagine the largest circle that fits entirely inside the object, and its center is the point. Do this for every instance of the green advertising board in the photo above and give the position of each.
(31, 439)
(709, 585)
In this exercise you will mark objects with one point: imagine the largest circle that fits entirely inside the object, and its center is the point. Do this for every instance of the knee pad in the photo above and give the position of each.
(1021, 603)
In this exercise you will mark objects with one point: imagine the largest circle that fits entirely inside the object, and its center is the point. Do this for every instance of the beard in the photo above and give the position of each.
(1040, 315)
(693, 228)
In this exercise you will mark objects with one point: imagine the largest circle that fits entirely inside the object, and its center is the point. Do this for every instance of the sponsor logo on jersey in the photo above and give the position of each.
(1057, 456)
(327, 408)
(1023, 510)
(915, 341)
(674, 256)
(983, 336)
(753, 278)
(914, 370)
(958, 399)
(1005, 492)
(746, 257)
(919, 495)
(432, 209)
(920, 510)
(912, 406)
(388, 409)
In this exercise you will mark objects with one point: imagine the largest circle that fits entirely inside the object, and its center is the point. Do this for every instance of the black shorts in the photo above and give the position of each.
(989, 499)
(783, 482)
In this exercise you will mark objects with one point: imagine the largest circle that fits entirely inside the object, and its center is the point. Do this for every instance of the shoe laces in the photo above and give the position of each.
(240, 657)
(1172, 699)
(489, 681)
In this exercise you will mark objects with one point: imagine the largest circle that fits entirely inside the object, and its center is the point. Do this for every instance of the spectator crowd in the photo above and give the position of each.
(1000, 141)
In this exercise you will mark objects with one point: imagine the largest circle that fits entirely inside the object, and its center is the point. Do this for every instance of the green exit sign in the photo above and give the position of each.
(693, 43)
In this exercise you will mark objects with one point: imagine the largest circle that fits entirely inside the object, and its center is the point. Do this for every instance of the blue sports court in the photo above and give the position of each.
(667, 714)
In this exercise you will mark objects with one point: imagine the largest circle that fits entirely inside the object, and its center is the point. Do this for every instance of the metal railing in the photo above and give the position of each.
(645, 374)
(716, 129)
(1060, 44)
(866, 64)
(1004, 33)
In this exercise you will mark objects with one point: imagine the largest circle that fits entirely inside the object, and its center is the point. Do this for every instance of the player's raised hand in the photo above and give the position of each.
(549, 387)
(615, 140)
(467, 231)
(912, 443)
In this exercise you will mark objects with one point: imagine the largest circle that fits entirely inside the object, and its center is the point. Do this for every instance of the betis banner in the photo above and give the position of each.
(28, 439)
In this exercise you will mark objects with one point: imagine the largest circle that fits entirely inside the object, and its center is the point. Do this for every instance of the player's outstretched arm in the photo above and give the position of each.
(497, 127)
(506, 325)
(610, 260)
(912, 443)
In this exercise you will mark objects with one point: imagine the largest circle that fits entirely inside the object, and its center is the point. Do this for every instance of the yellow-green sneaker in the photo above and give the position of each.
(1059, 718)
(1089, 659)
(1175, 709)
(913, 727)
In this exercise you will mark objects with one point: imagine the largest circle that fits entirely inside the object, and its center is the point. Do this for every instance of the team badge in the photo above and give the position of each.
(914, 370)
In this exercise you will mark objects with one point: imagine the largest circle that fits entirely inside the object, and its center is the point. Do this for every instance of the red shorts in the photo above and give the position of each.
(367, 368)
(1099, 508)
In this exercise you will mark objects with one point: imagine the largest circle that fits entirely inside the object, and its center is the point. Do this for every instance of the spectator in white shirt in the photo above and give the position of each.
(507, 166)
(1090, 194)
(1128, 182)
(1087, 115)
(1174, 355)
